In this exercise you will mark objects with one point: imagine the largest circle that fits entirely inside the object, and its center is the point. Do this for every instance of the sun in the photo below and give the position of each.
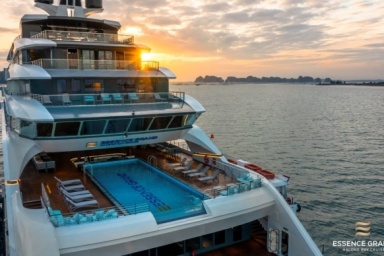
(146, 56)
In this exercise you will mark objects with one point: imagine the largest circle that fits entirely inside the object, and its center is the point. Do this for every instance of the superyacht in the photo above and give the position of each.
(101, 158)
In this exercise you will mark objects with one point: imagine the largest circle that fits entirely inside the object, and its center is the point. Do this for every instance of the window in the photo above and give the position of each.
(92, 127)
(15, 124)
(207, 240)
(139, 124)
(176, 122)
(93, 85)
(117, 126)
(105, 59)
(237, 233)
(160, 122)
(192, 244)
(44, 129)
(88, 60)
(220, 237)
(67, 129)
(61, 86)
(284, 242)
(75, 85)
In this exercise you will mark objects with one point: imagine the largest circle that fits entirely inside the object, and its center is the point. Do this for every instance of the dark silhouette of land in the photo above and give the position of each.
(301, 79)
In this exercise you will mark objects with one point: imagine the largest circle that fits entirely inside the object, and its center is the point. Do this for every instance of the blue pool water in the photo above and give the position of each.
(137, 186)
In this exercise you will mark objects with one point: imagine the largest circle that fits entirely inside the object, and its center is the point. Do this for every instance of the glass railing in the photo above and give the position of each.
(158, 100)
(59, 219)
(84, 36)
(96, 64)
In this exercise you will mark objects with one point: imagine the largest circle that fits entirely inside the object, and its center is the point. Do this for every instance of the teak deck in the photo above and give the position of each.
(31, 179)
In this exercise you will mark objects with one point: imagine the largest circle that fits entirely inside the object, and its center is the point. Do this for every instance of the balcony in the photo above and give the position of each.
(141, 101)
(96, 64)
(77, 36)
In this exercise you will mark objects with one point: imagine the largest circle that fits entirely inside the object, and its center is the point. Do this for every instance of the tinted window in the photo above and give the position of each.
(67, 129)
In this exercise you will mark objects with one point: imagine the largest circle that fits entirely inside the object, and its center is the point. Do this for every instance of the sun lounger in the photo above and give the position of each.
(105, 98)
(73, 193)
(89, 99)
(47, 100)
(81, 198)
(68, 182)
(181, 163)
(158, 97)
(66, 100)
(183, 168)
(117, 98)
(133, 97)
(197, 169)
(73, 188)
(77, 196)
(70, 185)
(197, 174)
(78, 205)
(211, 177)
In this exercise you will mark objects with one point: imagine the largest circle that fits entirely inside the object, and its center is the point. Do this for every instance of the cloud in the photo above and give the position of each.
(245, 32)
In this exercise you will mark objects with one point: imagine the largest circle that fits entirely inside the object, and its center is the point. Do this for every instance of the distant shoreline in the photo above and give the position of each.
(372, 84)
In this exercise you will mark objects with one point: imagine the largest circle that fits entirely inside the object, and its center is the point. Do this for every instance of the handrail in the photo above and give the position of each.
(71, 35)
(87, 64)
(160, 100)
(152, 158)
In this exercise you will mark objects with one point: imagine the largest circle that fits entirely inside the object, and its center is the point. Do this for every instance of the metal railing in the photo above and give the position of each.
(86, 64)
(159, 100)
(82, 36)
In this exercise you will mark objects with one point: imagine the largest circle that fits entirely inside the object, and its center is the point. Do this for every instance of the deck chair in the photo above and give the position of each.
(89, 99)
(81, 197)
(68, 182)
(72, 188)
(181, 163)
(133, 97)
(105, 98)
(211, 177)
(78, 205)
(183, 168)
(66, 100)
(202, 173)
(117, 98)
(158, 97)
(70, 185)
(47, 100)
(74, 193)
(197, 169)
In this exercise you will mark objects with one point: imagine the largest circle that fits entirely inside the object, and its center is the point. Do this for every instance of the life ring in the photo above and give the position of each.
(206, 159)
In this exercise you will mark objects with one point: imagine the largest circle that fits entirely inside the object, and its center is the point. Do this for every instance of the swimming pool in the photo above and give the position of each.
(133, 184)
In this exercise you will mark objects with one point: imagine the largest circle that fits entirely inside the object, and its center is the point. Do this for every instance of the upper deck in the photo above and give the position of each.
(70, 165)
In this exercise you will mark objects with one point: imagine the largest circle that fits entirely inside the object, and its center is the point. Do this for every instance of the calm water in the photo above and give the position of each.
(329, 140)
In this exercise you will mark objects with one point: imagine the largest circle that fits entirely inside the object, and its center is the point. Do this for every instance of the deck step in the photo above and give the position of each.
(33, 204)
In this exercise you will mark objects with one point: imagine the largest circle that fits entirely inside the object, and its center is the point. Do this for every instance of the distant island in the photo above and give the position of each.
(301, 79)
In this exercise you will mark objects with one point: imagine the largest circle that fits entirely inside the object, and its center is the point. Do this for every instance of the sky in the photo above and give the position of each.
(339, 39)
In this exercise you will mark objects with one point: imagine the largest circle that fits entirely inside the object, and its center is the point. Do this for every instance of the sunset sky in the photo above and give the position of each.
(340, 39)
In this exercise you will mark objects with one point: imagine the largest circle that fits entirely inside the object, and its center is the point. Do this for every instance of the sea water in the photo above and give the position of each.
(328, 139)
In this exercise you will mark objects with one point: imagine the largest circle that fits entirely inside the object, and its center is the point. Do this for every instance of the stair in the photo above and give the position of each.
(259, 234)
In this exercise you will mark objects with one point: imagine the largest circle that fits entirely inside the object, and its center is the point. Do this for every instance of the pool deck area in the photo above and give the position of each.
(31, 178)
